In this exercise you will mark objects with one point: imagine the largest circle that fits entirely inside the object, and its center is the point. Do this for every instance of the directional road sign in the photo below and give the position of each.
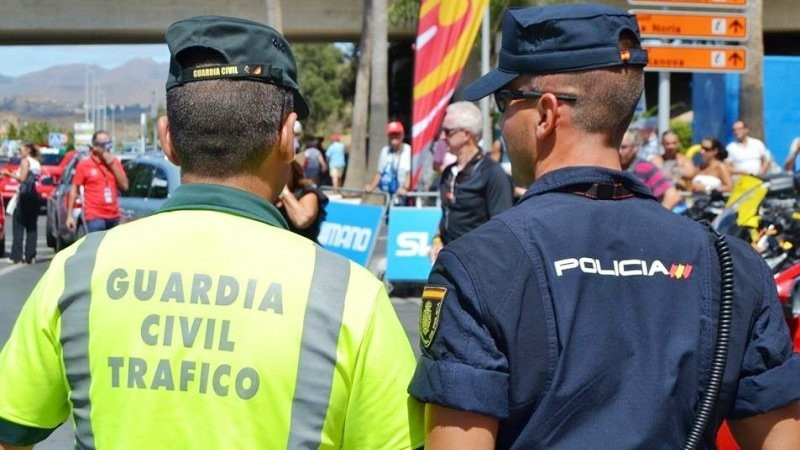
(695, 58)
(729, 4)
(690, 25)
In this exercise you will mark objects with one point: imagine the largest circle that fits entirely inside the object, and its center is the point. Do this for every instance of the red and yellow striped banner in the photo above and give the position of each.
(445, 36)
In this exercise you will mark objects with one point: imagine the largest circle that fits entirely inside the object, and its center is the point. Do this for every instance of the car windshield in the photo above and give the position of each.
(51, 159)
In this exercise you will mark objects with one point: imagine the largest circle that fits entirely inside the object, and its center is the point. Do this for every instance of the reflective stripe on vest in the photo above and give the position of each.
(321, 325)
(317, 356)
(74, 306)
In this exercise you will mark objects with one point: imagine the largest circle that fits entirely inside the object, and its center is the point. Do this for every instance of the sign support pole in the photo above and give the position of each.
(663, 102)
(487, 119)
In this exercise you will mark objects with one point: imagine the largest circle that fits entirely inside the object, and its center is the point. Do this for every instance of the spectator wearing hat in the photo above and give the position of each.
(394, 164)
(587, 314)
(336, 160)
(209, 324)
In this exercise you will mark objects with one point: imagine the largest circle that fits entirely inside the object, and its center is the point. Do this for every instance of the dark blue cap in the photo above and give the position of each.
(252, 51)
(560, 38)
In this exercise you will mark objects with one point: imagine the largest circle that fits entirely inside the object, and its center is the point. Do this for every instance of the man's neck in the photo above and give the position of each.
(248, 183)
(578, 149)
(466, 155)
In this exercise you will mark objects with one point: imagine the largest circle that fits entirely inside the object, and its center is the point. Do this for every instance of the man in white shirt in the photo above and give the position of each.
(394, 163)
(746, 155)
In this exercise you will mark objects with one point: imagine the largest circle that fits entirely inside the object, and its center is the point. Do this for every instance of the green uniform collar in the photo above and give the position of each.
(215, 197)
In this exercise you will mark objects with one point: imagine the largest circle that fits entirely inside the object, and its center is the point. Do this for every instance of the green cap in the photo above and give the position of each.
(253, 51)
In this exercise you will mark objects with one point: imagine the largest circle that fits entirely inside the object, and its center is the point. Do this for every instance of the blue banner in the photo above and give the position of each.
(351, 230)
(410, 233)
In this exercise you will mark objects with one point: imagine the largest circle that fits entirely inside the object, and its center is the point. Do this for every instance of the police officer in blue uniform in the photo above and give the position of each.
(586, 316)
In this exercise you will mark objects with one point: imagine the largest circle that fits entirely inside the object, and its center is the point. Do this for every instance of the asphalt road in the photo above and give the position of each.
(17, 281)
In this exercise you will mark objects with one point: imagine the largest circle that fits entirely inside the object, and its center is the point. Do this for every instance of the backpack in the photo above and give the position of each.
(389, 181)
(27, 188)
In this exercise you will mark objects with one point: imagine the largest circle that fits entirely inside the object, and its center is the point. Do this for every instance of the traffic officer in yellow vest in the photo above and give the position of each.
(208, 324)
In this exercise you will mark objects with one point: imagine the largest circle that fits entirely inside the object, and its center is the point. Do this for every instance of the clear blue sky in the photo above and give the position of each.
(21, 59)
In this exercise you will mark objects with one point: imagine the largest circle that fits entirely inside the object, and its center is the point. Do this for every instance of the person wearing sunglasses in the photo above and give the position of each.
(102, 177)
(474, 188)
(714, 174)
(586, 315)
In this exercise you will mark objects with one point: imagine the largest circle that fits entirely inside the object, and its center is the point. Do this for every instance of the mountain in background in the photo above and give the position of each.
(137, 82)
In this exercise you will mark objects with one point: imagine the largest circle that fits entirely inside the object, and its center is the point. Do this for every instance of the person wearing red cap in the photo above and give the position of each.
(394, 164)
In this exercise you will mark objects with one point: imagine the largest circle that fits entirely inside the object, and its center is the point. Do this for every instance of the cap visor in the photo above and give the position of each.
(300, 106)
(487, 84)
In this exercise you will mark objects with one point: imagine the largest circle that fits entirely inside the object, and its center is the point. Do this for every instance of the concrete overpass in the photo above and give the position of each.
(144, 21)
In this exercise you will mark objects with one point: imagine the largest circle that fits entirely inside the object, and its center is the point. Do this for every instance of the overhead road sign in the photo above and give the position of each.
(696, 58)
(730, 4)
(690, 25)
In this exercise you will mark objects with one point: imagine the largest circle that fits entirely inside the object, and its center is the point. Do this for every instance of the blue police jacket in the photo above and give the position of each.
(585, 317)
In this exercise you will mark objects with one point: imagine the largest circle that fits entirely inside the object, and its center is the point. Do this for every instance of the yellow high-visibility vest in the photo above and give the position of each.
(208, 325)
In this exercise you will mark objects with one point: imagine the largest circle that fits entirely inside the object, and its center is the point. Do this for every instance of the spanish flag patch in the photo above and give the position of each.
(430, 311)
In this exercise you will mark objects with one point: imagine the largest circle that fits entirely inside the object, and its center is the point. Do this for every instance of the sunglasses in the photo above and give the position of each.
(451, 131)
(503, 96)
(706, 149)
(107, 144)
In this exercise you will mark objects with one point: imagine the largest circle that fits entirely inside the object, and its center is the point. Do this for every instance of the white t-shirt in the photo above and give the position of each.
(746, 157)
(34, 166)
(400, 161)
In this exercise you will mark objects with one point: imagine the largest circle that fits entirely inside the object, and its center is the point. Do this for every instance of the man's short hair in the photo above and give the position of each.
(467, 116)
(98, 133)
(669, 133)
(222, 127)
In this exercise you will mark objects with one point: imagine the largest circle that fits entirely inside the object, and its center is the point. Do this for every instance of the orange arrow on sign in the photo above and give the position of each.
(688, 58)
(695, 3)
(692, 25)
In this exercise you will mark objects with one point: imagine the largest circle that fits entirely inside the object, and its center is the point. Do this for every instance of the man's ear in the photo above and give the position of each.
(548, 115)
(165, 138)
(285, 145)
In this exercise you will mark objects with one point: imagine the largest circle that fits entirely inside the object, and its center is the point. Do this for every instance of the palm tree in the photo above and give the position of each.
(274, 16)
(357, 169)
(378, 94)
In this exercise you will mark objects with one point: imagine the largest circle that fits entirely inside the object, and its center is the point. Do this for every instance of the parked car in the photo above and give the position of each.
(2, 228)
(45, 185)
(151, 180)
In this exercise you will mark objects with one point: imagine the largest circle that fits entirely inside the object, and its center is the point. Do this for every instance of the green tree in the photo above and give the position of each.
(35, 132)
(322, 71)
(13, 132)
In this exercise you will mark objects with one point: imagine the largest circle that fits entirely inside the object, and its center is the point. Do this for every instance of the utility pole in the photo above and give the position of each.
(86, 90)
(113, 122)
(487, 119)
(104, 109)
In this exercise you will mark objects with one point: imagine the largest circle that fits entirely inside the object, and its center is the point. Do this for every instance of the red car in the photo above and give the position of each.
(788, 284)
(51, 173)
(2, 228)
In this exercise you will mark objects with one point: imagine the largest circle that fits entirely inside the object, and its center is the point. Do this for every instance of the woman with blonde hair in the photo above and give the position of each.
(26, 212)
